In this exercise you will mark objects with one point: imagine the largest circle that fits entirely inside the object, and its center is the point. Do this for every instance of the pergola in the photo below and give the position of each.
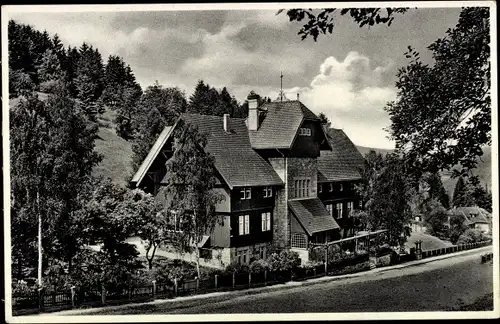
(360, 235)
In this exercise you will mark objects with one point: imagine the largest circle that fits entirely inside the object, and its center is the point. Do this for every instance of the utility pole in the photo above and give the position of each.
(281, 86)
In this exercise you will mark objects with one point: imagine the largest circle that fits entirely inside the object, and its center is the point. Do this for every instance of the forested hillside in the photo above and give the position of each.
(129, 118)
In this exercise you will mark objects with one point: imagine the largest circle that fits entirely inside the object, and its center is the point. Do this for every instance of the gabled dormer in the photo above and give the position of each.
(285, 127)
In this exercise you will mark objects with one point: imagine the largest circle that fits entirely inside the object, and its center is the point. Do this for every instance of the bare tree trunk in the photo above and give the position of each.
(39, 238)
(150, 259)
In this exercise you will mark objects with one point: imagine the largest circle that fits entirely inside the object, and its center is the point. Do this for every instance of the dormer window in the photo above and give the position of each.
(246, 193)
(268, 192)
(304, 131)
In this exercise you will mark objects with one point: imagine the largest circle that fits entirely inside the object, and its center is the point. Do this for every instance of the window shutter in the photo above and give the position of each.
(247, 224)
(241, 229)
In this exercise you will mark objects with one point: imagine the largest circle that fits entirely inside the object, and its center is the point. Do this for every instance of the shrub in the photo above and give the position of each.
(384, 261)
(349, 260)
(285, 260)
(258, 266)
(471, 236)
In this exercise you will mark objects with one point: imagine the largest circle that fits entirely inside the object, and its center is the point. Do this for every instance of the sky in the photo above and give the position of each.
(349, 75)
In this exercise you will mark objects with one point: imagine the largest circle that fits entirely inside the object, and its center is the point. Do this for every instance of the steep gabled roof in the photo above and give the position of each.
(473, 215)
(312, 215)
(280, 125)
(343, 162)
(153, 153)
(235, 160)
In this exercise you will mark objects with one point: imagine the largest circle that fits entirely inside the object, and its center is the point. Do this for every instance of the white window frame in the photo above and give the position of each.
(350, 207)
(268, 192)
(302, 187)
(339, 210)
(243, 224)
(329, 207)
(305, 131)
(246, 193)
(247, 224)
(265, 221)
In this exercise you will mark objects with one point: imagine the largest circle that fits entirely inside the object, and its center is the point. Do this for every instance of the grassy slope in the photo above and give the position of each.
(429, 242)
(116, 152)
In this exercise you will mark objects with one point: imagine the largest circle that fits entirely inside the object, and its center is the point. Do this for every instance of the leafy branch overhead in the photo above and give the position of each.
(442, 115)
(324, 21)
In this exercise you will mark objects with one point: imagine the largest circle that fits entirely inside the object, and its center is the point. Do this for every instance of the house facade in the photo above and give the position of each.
(474, 218)
(286, 181)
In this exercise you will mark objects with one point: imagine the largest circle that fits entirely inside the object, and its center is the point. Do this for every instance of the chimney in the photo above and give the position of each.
(227, 123)
(253, 111)
(297, 96)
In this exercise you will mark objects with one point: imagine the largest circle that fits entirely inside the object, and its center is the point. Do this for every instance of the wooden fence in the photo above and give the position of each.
(36, 302)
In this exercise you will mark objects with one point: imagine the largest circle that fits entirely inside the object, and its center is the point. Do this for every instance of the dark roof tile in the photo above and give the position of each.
(343, 162)
(281, 122)
(312, 215)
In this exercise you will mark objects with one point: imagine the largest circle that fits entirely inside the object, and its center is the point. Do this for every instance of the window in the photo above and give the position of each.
(360, 204)
(246, 193)
(266, 221)
(302, 187)
(262, 252)
(341, 187)
(244, 224)
(299, 240)
(268, 192)
(349, 207)
(338, 207)
(320, 188)
(331, 187)
(304, 131)
(330, 209)
(241, 256)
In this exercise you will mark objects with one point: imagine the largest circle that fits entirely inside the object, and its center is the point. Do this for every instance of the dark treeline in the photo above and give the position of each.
(39, 62)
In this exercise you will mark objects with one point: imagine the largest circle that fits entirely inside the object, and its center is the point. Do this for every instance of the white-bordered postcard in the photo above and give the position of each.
(250, 161)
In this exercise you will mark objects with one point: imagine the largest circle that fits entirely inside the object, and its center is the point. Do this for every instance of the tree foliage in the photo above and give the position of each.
(157, 108)
(52, 155)
(190, 180)
(441, 118)
(387, 192)
(322, 21)
(207, 100)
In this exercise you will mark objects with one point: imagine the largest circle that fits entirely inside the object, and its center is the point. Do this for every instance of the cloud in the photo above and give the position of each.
(352, 94)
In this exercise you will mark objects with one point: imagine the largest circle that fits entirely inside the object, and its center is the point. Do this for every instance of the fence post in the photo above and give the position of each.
(326, 260)
(215, 281)
(175, 287)
(72, 296)
(103, 294)
(154, 288)
(40, 300)
(265, 277)
(234, 279)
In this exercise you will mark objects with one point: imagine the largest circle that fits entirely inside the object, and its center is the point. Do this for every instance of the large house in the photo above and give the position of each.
(287, 182)
(474, 218)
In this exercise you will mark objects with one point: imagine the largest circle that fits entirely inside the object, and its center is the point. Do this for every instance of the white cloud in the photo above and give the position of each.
(352, 96)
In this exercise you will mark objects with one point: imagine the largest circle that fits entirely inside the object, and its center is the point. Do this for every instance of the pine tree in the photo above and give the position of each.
(50, 72)
(461, 194)
(437, 190)
(157, 108)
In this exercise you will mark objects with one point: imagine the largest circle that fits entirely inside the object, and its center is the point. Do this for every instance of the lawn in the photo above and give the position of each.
(429, 242)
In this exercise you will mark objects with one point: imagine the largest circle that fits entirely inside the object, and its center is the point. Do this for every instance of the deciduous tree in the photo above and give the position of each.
(190, 179)
(322, 21)
(441, 118)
